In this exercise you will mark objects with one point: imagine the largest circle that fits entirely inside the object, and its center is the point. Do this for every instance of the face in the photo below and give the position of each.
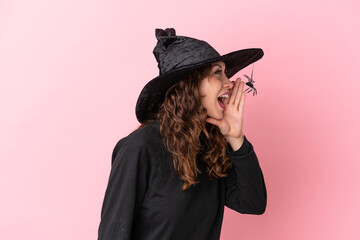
(215, 90)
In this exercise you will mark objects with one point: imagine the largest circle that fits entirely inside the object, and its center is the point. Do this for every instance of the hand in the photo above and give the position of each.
(232, 122)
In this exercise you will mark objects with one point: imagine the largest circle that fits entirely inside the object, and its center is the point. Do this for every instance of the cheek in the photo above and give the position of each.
(215, 84)
(203, 87)
(209, 89)
(211, 86)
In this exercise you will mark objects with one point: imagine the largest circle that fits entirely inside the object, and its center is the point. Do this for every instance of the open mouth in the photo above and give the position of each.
(222, 99)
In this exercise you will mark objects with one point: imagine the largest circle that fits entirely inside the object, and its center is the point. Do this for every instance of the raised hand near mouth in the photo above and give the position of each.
(232, 122)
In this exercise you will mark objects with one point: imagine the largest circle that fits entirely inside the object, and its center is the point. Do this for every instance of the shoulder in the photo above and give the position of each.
(143, 137)
(143, 140)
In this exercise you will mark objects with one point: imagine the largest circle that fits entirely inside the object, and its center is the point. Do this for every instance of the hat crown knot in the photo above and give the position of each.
(167, 37)
(173, 52)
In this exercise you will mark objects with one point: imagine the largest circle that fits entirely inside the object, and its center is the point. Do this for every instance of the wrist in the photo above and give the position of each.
(236, 142)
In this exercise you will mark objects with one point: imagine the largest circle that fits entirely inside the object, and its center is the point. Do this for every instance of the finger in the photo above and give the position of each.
(234, 91)
(233, 85)
(242, 103)
(239, 94)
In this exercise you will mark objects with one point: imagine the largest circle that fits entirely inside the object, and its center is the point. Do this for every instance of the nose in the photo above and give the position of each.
(228, 84)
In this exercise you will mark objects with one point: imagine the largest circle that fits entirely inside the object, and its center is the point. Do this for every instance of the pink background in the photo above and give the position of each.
(71, 72)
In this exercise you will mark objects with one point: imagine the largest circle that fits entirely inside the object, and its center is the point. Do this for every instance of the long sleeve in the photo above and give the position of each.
(245, 185)
(125, 191)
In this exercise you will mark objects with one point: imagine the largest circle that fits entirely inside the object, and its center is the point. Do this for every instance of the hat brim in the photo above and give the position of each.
(152, 95)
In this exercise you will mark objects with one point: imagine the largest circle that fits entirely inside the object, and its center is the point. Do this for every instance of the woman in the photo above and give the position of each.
(172, 177)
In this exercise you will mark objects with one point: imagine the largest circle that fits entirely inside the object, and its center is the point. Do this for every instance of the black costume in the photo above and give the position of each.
(144, 200)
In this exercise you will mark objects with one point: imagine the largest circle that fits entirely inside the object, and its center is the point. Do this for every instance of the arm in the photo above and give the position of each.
(124, 194)
(245, 185)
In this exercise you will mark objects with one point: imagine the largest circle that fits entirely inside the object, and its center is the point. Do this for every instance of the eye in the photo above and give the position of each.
(218, 71)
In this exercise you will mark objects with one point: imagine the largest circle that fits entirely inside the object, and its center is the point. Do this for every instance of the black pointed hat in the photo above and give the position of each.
(178, 56)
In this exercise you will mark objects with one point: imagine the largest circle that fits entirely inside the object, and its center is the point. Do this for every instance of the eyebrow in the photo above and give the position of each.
(220, 66)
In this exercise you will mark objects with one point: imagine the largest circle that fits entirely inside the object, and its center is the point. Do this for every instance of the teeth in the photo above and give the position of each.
(225, 96)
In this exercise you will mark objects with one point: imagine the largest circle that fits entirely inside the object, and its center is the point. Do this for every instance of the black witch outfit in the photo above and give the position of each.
(144, 200)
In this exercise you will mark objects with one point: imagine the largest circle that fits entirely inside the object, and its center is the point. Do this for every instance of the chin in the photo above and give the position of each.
(218, 115)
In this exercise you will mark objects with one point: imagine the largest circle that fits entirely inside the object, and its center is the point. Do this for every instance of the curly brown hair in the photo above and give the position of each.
(186, 133)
